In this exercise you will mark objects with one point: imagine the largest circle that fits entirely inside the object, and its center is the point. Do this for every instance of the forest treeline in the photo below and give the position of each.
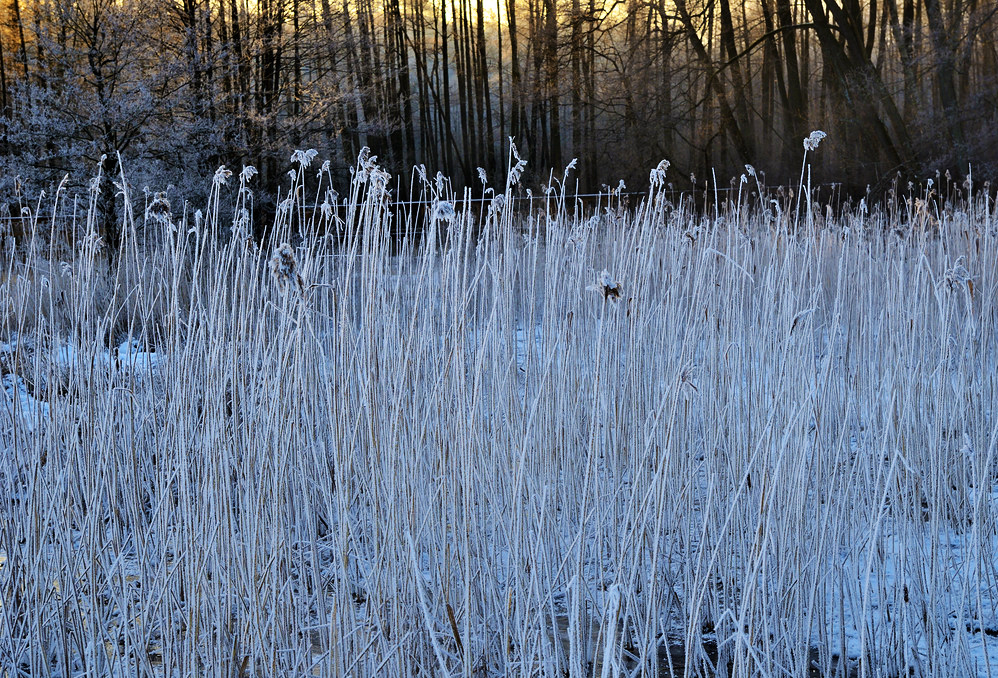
(179, 87)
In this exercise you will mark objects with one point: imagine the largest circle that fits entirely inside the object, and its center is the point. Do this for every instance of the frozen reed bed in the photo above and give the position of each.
(464, 454)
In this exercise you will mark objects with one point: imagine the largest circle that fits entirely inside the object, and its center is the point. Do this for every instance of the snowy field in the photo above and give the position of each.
(773, 454)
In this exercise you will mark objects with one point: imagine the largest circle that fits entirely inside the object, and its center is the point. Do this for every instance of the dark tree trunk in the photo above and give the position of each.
(794, 98)
(728, 121)
(854, 78)
(446, 124)
(515, 75)
(226, 47)
(296, 61)
(552, 85)
(242, 63)
(22, 52)
(485, 125)
(730, 51)
(575, 47)
(209, 61)
(4, 104)
(945, 76)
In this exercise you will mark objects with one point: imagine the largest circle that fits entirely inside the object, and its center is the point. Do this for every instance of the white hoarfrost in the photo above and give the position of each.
(464, 447)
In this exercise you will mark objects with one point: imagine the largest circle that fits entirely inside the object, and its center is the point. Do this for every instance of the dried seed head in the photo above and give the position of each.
(304, 158)
(958, 276)
(443, 210)
(248, 173)
(159, 208)
(606, 286)
(221, 176)
(516, 171)
(657, 176)
(284, 266)
(813, 139)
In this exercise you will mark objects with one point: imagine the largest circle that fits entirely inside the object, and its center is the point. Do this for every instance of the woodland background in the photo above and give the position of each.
(904, 88)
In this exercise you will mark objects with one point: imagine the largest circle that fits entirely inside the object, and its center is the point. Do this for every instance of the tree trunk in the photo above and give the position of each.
(728, 121)
(945, 72)
(226, 47)
(22, 52)
(242, 63)
(552, 85)
(445, 71)
(795, 101)
(405, 114)
(296, 61)
(730, 51)
(515, 75)
(855, 79)
(4, 105)
(485, 127)
(463, 105)
(356, 87)
(575, 46)
(209, 57)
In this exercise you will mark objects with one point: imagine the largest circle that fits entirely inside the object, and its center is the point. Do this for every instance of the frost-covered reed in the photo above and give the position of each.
(578, 441)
